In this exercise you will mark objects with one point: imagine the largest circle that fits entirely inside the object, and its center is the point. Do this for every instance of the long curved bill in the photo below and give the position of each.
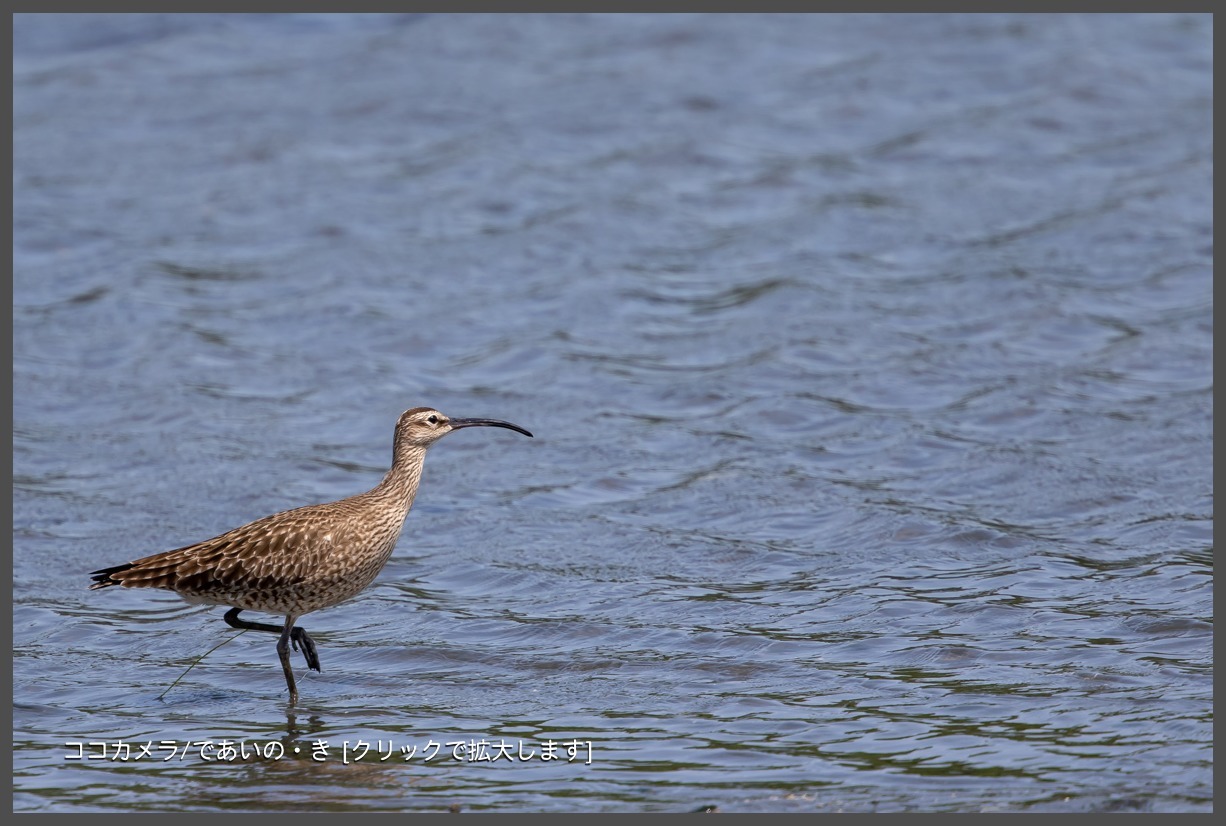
(456, 424)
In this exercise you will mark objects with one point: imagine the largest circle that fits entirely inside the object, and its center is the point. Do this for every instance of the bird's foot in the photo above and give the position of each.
(309, 652)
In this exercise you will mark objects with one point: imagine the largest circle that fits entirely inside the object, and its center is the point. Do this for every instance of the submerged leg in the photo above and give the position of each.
(283, 653)
(298, 636)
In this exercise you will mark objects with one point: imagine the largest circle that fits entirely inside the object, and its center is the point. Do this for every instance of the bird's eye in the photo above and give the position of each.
(433, 419)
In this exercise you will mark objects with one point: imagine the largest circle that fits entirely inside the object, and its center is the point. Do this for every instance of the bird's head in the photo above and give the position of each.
(423, 426)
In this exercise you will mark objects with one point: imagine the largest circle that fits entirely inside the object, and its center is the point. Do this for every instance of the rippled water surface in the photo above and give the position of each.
(869, 361)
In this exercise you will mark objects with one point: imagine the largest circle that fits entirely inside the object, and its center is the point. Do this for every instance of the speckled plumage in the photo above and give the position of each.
(305, 559)
(292, 562)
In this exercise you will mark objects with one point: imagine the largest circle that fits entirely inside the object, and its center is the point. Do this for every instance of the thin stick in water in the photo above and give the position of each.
(197, 662)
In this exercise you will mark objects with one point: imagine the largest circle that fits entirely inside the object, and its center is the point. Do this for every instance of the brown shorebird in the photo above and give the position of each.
(301, 560)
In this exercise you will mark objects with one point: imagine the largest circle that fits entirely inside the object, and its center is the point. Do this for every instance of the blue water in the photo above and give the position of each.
(869, 360)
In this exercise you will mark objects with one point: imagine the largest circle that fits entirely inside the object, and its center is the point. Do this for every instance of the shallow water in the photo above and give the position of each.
(869, 361)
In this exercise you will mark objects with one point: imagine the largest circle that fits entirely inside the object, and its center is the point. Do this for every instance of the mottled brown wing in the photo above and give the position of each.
(276, 551)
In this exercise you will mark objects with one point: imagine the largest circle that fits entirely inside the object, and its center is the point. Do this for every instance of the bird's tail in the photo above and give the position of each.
(102, 578)
(162, 570)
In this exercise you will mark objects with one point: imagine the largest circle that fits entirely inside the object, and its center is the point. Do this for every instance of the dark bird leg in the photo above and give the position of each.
(298, 636)
(283, 653)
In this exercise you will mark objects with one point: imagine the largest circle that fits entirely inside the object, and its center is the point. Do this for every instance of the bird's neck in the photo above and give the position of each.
(400, 483)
